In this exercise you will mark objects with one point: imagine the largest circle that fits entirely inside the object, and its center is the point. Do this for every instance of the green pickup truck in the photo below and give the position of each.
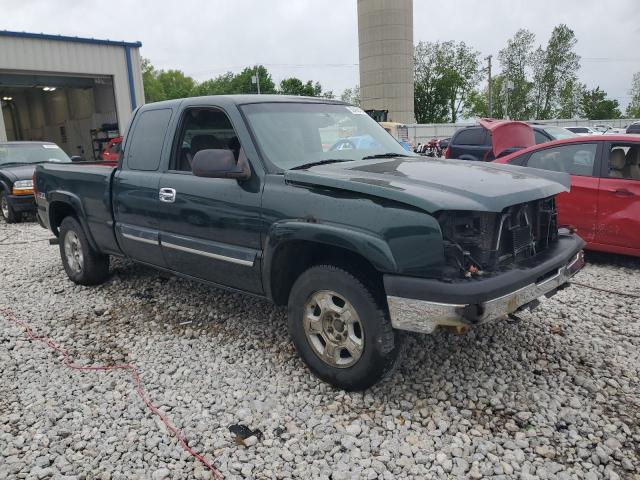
(311, 204)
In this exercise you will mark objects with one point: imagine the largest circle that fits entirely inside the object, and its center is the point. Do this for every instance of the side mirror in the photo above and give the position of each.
(77, 158)
(220, 163)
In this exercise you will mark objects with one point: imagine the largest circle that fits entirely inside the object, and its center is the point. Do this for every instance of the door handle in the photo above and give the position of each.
(622, 192)
(167, 195)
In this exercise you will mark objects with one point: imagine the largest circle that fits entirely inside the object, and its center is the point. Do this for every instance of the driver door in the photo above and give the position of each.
(210, 227)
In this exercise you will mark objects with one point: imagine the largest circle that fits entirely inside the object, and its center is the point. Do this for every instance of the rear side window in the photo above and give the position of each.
(578, 159)
(540, 137)
(147, 138)
(471, 136)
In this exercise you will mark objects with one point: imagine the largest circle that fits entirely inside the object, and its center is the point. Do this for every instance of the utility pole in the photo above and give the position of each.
(490, 102)
(256, 78)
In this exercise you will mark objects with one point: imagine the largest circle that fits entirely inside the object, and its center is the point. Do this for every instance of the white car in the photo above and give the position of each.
(582, 131)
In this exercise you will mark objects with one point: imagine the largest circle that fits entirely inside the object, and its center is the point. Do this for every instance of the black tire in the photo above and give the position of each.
(93, 268)
(382, 344)
(6, 211)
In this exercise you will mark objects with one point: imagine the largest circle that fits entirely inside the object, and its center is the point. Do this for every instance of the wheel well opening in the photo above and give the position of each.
(293, 258)
(57, 212)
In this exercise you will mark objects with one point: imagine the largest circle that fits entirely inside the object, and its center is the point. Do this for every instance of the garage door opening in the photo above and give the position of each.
(77, 113)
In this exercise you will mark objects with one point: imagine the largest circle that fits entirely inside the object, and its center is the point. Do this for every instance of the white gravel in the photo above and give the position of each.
(556, 396)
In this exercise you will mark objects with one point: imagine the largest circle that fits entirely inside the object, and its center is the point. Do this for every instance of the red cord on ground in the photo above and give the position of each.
(67, 361)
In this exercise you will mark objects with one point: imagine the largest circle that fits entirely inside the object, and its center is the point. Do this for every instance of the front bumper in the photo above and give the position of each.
(419, 312)
(22, 203)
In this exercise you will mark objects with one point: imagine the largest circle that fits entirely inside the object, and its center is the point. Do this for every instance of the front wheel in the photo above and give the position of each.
(7, 211)
(81, 262)
(340, 330)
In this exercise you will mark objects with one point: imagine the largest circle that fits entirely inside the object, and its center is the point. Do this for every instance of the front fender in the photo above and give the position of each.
(364, 243)
(60, 197)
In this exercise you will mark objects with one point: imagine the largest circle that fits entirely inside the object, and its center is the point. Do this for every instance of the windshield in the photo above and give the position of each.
(559, 132)
(296, 134)
(32, 153)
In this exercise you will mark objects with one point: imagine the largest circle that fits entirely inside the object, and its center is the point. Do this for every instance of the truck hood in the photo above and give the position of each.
(433, 185)
(18, 172)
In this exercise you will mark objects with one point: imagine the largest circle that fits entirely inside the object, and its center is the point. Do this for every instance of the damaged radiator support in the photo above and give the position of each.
(478, 242)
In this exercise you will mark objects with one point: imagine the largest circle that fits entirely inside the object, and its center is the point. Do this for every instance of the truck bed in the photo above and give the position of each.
(88, 184)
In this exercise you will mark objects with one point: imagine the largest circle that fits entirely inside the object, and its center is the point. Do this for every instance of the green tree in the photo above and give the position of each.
(554, 68)
(295, 86)
(569, 100)
(241, 82)
(460, 72)
(478, 101)
(445, 74)
(633, 109)
(175, 84)
(430, 103)
(596, 106)
(351, 95)
(221, 85)
(515, 61)
(153, 90)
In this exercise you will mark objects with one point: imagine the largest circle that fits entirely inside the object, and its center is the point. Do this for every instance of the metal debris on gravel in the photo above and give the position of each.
(555, 396)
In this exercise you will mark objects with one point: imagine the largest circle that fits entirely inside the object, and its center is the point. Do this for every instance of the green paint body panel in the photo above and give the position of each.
(378, 209)
(433, 184)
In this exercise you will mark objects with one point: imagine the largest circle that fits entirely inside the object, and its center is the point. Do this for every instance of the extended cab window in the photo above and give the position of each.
(578, 159)
(147, 138)
(204, 129)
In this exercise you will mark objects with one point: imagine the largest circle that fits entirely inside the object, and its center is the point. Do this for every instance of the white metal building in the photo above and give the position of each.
(69, 90)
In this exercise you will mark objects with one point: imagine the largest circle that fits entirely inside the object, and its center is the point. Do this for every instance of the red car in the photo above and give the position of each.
(604, 201)
(111, 151)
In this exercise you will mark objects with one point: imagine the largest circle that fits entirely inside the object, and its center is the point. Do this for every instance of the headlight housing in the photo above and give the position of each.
(23, 187)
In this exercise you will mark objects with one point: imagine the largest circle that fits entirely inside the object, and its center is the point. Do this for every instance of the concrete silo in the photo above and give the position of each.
(385, 35)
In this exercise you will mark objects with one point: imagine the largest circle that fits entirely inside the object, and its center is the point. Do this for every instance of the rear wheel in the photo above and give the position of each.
(7, 212)
(340, 330)
(81, 262)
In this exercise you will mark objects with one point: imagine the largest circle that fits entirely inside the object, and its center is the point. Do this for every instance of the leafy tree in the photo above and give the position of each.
(633, 109)
(294, 86)
(554, 68)
(351, 95)
(445, 74)
(478, 101)
(570, 97)
(596, 106)
(221, 85)
(175, 84)
(153, 90)
(241, 82)
(515, 60)
(430, 103)
(460, 71)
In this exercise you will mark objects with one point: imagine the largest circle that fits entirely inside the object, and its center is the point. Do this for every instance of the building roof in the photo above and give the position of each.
(64, 38)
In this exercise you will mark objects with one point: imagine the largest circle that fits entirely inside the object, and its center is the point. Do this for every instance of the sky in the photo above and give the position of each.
(318, 40)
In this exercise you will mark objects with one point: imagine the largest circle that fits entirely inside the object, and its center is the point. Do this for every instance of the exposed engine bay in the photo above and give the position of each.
(478, 243)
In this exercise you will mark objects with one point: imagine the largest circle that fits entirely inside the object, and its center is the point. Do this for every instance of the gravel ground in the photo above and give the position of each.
(555, 396)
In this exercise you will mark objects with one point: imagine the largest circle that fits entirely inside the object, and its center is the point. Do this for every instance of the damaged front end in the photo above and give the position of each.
(479, 243)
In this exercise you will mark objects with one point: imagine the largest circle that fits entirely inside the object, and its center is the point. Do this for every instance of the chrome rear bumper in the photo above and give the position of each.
(425, 316)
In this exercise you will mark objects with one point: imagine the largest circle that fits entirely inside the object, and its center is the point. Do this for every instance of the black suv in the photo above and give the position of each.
(634, 128)
(474, 142)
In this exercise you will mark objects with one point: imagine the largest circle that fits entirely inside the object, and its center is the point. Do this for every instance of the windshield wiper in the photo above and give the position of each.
(384, 155)
(319, 162)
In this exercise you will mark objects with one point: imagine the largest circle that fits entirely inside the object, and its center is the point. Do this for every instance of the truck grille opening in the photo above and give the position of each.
(479, 242)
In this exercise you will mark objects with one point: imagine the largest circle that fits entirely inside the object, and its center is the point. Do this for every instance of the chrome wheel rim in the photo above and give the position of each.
(73, 252)
(4, 206)
(333, 329)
